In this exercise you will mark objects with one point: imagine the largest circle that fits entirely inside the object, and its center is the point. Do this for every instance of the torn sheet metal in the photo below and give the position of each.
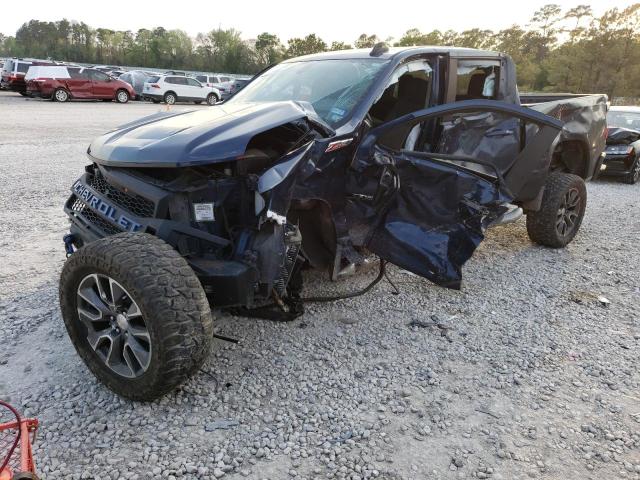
(622, 136)
(435, 218)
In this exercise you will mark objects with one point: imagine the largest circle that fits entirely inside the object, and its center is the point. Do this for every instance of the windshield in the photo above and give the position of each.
(332, 87)
(630, 120)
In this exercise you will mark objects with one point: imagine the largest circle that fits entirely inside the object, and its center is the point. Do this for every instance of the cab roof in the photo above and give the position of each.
(395, 53)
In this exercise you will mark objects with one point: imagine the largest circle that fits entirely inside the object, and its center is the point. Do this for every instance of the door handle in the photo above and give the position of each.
(499, 133)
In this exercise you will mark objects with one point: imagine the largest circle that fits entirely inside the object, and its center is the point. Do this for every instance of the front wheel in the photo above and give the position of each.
(563, 205)
(212, 99)
(136, 314)
(122, 96)
(61, 95)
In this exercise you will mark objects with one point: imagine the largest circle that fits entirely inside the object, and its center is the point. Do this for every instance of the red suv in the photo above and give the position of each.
(62, 83)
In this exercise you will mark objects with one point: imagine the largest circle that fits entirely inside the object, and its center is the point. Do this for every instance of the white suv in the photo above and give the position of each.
(221, 82)
(174, 88)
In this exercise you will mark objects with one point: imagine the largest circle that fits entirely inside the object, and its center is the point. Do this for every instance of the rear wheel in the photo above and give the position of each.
(61, 95)
(170, 98)
(563, 205)
(136, 314)
(634, 174)
(122, 96)
(212, 99)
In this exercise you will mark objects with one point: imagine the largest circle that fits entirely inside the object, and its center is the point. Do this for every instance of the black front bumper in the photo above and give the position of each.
(99, 207)
(617, 165)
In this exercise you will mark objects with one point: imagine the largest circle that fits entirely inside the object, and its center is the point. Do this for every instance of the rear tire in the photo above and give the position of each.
(634, 175)
(563, 205)
(170, 98)
(61, 95)
(212, 99)
(172, 313)
(122, 96)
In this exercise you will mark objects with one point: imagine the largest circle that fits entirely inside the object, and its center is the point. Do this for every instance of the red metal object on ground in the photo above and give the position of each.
(16, 437)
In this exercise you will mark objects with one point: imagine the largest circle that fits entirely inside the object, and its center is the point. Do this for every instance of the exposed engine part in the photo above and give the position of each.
(293, 242)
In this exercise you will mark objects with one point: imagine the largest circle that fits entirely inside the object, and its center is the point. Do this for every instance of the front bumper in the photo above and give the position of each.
(617, 165)
(101, 208)
(152, 96)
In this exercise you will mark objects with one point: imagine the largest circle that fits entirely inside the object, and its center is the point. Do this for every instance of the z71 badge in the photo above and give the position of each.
(103, 208)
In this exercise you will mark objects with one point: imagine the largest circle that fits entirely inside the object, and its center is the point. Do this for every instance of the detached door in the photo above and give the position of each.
(427, 211)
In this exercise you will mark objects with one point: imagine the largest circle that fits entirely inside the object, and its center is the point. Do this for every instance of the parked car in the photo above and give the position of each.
(61, 83)
(136, 79)
(220, 82)
(237, 85)
(623, 144)
(13, 73)
(317, 160)
(174, 88)
(173, 72)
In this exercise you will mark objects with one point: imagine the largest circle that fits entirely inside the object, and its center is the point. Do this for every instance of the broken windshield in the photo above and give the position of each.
(332, 87)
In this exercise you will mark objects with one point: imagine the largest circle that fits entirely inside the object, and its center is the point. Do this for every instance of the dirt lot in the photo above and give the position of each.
(525, 373)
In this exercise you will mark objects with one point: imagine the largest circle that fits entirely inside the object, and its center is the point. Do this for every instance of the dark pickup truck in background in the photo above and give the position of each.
(408, 153)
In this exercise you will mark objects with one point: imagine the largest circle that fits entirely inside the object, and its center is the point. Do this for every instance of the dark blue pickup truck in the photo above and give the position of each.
(409, 154)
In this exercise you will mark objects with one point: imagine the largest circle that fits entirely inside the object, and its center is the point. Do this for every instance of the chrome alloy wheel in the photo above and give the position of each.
(116, 330)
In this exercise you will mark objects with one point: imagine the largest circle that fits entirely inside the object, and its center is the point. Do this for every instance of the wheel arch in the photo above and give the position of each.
(571, 156)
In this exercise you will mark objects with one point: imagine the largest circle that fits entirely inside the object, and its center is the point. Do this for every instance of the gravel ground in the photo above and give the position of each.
(524, 373)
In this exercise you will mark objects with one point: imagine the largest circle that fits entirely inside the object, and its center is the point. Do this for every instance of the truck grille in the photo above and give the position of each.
(139, 206)
(93, 218)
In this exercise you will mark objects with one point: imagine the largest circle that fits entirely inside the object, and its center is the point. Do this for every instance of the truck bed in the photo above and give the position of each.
(583, 136)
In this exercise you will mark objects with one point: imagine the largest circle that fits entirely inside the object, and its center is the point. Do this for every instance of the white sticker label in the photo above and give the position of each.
(203, 212)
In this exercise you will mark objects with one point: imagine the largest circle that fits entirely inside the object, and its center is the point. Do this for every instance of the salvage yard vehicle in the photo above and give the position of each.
(221, 82)
(62, 83)
(13, 74)
(171, 89)
(136, 79)
(406, 153)
(623, 144)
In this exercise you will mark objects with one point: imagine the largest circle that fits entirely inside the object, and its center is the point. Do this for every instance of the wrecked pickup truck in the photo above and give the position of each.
(409, 154)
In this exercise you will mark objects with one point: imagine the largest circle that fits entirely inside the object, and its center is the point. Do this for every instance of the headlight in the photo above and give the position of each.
(620, 149)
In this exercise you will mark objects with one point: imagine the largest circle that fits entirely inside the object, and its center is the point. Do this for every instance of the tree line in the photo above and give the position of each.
(558, 50)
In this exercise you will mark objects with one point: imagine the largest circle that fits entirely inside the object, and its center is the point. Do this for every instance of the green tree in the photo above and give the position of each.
(305, 46)
(268, 49)
(366, 41)
(339, 46)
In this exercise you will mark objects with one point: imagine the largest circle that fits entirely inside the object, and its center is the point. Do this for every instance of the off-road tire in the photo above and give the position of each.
(212, 99)
(170, 298)
(634, 175)
(542, 226)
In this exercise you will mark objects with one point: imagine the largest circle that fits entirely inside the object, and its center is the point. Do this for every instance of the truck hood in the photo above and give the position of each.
(622, 136)
(204, 136)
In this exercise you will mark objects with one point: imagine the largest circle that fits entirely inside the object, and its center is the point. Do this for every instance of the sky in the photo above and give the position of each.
(337, 20)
